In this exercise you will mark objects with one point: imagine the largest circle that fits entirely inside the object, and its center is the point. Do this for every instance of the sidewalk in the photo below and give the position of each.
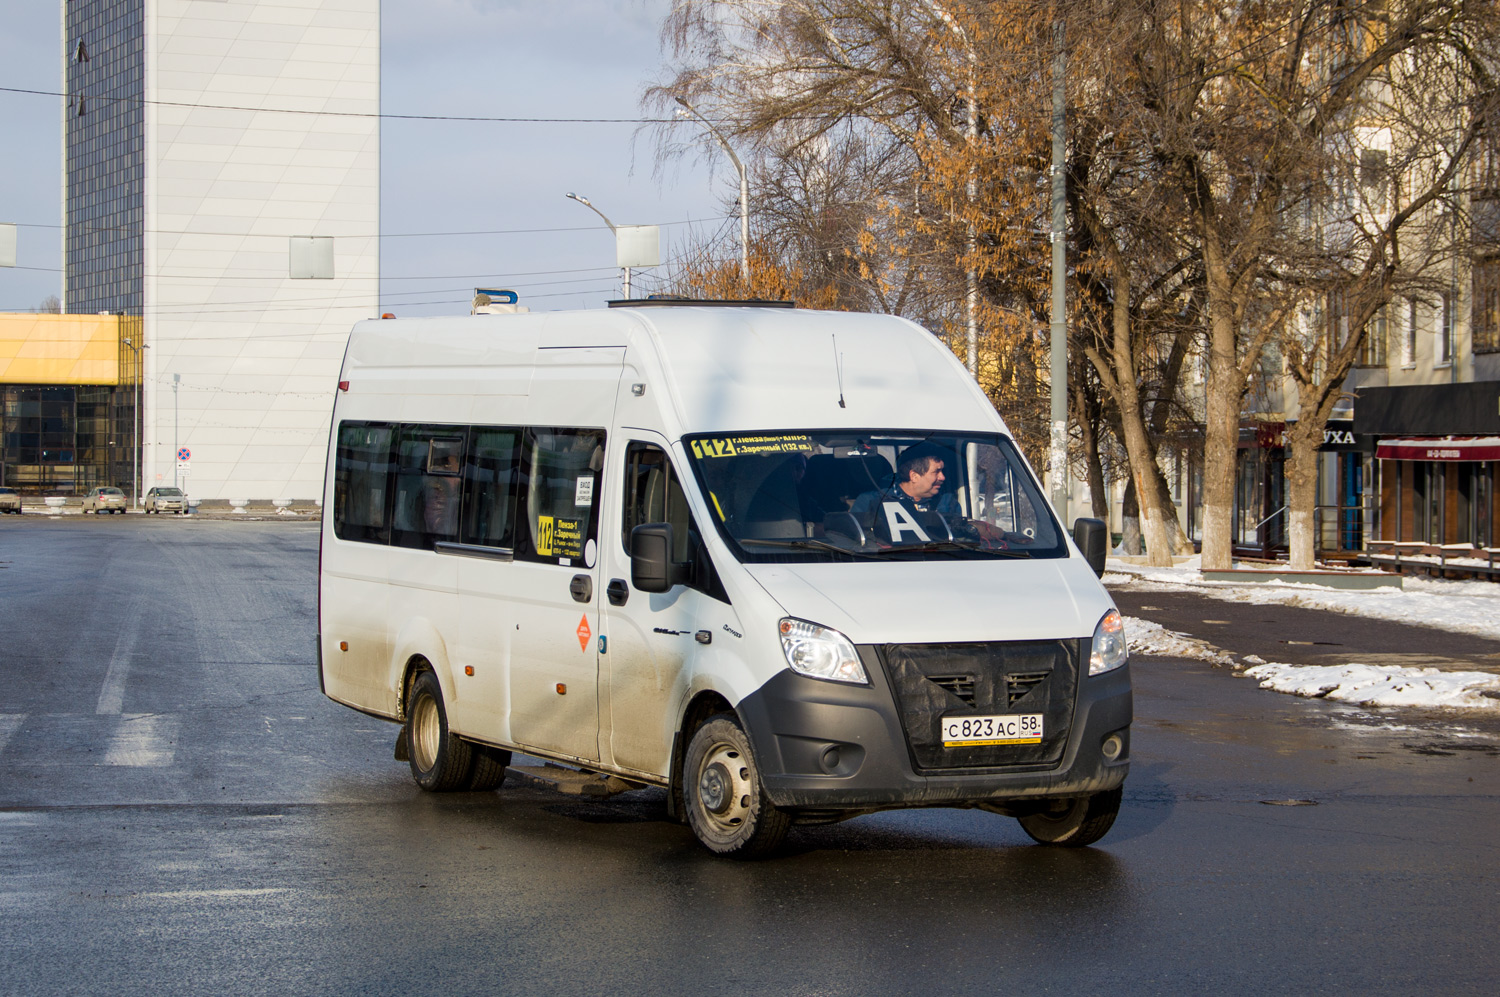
(1300, 636)
(305, 512)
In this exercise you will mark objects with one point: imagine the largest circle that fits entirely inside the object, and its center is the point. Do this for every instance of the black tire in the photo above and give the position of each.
(1074, 823)
(441, 762)
(721, 792)
(489, 768)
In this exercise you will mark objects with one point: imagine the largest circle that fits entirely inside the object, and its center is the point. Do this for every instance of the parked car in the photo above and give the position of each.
(166, 500)
(10, 500)
(105, 499)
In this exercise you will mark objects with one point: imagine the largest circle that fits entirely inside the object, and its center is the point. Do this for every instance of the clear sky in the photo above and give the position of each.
(496, 58)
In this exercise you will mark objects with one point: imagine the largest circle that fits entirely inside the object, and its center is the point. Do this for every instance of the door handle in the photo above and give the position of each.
(582, 587)
(617, 591)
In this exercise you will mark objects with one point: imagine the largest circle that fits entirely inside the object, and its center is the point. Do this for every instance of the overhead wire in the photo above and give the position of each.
(375, 115)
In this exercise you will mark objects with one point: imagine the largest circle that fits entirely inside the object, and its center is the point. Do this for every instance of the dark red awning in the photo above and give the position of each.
(1440, 448)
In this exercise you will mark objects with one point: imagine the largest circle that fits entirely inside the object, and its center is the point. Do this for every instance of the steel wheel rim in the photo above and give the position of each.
(723, 788)
(426, 732)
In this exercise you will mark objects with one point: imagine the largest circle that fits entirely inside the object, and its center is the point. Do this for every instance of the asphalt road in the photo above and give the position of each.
(182, 812)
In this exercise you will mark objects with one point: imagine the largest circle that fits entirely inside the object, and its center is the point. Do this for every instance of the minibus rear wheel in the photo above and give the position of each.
(489, 768)
(440, 761)
(721, 792)
(1074, 823)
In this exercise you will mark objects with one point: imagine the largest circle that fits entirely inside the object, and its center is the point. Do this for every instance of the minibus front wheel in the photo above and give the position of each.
(440, 761)
(721, 791)
(1076, 822)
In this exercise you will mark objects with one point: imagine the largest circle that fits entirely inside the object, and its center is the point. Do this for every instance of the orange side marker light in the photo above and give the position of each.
(562, 690)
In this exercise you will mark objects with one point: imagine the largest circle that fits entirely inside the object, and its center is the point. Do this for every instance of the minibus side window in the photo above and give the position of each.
(559, 481)
(490, 486)
(653, 494)
(361, 482)
(429, 466)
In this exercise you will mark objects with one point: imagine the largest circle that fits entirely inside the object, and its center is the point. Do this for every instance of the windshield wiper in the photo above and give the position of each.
(955, 544)
(809, 544)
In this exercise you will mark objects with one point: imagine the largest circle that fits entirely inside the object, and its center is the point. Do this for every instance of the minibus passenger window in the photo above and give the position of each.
(429, 462)
(490, 486)
(361, 479)
(562, 498)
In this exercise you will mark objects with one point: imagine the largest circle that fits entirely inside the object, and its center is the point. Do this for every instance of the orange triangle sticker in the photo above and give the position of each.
(584, 633)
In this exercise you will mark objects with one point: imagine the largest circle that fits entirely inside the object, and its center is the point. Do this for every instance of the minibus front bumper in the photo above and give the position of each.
(825, 747)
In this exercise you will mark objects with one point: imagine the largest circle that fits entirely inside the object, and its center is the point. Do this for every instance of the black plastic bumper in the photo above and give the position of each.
(830, 745)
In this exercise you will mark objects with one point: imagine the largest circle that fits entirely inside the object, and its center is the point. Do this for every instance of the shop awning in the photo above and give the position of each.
(1440, 448)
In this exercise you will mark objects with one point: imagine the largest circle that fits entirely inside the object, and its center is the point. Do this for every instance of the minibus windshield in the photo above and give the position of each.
(846, 495)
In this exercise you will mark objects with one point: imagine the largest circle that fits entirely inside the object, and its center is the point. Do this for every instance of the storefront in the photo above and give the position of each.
(1439, 461)
(1342, 517)
(67, 402)
(1440, 490)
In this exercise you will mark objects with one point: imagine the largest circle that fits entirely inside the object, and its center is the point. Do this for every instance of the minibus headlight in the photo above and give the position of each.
(820, 653)
(1110, 650)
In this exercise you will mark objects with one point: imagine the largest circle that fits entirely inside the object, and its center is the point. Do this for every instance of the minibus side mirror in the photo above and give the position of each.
(1092, 538)
(651, 557)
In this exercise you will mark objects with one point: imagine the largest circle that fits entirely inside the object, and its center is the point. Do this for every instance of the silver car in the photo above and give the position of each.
(105, 499)
(10, 500)
(166, 500)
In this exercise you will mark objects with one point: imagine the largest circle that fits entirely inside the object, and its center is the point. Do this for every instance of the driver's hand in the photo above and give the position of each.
(987, 532)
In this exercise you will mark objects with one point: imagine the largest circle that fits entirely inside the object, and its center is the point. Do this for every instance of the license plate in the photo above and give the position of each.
(1007, 728)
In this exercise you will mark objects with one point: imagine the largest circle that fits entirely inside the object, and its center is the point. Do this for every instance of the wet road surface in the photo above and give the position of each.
(181, 811)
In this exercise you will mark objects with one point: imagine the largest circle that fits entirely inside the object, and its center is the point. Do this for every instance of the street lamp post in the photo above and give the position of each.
(136, 422)
(744, 189)
(625, 282)
(176, 380)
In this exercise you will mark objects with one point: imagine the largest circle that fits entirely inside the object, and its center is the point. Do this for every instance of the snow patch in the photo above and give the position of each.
(1146, 637)
(1381, 685)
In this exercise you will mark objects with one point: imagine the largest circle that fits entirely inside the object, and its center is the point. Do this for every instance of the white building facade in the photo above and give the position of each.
(204, 139)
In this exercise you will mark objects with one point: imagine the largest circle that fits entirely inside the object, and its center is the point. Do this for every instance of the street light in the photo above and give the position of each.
(744, 189)
(625, 283)
(135, 427)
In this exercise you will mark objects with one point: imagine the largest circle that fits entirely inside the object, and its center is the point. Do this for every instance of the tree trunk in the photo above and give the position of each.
(1302, 440)
(1225, 390)
(1098, 490)
(1130, 520)
(1089, 421)
(1121, 381)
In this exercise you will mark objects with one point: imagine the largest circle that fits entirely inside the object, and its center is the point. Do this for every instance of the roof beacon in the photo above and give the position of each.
(488, 301)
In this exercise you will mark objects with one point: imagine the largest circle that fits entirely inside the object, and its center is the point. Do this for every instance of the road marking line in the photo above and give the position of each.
(9, 724)
(143, 740)
(112, 696)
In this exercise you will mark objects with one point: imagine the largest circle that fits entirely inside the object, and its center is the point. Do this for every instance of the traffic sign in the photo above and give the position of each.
(184, 454)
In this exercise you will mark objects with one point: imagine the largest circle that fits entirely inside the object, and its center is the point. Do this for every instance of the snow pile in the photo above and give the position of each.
(1381, 685)
(1146, 637)
(1471, 607)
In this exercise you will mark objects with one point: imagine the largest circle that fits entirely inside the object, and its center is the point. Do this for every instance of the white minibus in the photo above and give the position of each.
(788, 565)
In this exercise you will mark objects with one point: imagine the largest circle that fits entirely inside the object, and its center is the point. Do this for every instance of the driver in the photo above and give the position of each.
(907, 510)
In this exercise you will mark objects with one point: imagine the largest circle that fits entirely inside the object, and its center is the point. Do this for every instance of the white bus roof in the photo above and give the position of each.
(722, 369)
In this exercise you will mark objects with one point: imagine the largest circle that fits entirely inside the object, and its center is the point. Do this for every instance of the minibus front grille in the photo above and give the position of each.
(961, 686)
(1018, 685)
(931, 681)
